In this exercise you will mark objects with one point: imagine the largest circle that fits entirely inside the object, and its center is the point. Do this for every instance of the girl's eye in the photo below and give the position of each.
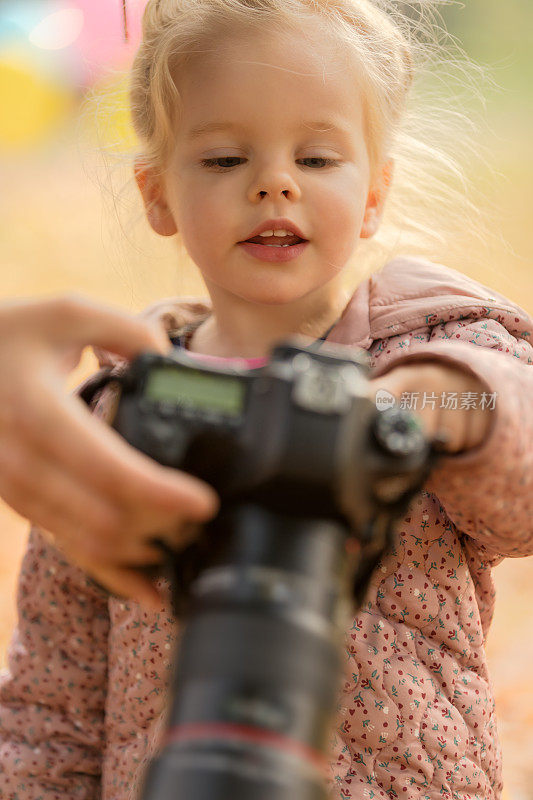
(327, 162)
(213, 163)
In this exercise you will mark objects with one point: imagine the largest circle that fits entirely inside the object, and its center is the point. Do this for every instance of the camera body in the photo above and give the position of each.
(299, 432)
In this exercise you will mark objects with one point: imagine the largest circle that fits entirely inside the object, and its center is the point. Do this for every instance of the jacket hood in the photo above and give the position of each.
(410, 293)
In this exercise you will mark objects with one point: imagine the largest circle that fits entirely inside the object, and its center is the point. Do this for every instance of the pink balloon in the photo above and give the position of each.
(101, 44)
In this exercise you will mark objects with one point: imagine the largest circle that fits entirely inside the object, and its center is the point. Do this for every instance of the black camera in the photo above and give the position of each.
(312, 477)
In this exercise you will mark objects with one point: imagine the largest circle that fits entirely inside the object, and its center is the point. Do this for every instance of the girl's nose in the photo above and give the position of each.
(274, 183)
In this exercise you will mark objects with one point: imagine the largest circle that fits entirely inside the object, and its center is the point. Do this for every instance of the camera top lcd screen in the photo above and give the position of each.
(221, 394)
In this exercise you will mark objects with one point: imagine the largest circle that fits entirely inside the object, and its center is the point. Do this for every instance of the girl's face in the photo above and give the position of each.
(289, 142)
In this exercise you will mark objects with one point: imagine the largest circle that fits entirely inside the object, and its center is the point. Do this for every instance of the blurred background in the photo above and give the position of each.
(71, 220)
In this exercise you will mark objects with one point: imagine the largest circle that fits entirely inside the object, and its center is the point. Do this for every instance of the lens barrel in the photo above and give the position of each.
(258, 665)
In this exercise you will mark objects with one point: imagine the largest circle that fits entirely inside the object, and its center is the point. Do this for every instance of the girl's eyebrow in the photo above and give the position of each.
(322, 126)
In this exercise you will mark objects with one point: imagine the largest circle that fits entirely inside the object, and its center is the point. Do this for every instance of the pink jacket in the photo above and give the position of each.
(81, 703)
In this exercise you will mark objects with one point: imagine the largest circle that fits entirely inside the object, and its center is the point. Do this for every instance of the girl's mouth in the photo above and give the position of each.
(275, 252)
(276, 241)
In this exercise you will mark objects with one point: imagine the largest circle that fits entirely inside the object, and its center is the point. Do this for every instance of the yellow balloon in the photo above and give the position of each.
(32, 107)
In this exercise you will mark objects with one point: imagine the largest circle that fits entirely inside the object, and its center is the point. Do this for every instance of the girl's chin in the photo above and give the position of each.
(274, 293)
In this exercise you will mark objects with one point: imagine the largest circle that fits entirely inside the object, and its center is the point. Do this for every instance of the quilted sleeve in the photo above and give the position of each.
(52, 695)
(487, 491)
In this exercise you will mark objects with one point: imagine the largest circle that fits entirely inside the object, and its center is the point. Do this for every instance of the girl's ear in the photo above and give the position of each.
(152, 190)
(375, 202)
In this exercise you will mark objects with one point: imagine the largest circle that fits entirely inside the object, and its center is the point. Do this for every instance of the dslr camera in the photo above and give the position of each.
(311, 478)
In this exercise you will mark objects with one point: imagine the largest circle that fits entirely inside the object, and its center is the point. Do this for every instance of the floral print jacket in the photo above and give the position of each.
(82, 700)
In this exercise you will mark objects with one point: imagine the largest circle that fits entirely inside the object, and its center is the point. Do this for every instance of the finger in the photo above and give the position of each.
(96, 455)
(477, 425)
(78, 540)
(462, 427)
(78, 320)
(126, 583)
(83, 525)
(182, 536)
(389, 383)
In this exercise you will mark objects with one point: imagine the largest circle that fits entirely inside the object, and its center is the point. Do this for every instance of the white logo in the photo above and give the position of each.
(384, 400)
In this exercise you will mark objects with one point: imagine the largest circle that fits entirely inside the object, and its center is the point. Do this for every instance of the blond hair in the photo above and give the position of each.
(393, 44)
(175, 30)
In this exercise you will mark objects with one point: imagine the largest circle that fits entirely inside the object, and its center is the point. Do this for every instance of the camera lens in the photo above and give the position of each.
(258, 665)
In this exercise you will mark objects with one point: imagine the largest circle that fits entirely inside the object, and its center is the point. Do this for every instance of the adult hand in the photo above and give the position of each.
(98, 498)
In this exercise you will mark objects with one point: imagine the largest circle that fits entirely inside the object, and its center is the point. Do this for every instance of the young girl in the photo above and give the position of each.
(268, 130)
